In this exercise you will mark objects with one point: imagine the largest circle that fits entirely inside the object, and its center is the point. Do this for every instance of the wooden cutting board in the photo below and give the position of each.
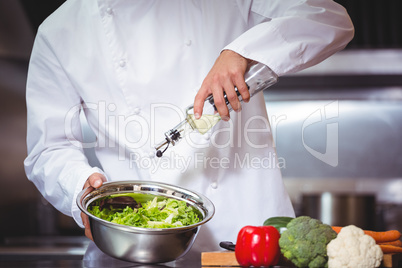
(392, 260)
(218, 258)
(228, 259)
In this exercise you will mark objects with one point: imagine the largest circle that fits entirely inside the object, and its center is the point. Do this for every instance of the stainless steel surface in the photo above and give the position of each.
(339, 209)
(359, 61)
(28, 252)
(338, 139)
(144, 245)
(32, 248)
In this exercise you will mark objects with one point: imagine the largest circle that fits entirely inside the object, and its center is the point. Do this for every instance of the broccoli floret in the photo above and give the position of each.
(304, 243)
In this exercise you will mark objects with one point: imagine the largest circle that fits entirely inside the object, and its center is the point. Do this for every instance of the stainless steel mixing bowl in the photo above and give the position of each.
(144, 245)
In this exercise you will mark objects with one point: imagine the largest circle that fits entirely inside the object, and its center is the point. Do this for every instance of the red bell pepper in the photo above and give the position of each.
(257, 246)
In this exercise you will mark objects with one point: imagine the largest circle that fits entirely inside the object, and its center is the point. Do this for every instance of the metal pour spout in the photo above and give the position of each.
(171, 137)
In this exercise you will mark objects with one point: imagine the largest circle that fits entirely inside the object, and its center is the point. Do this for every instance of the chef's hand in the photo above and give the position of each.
(226, 74)
(95, 180)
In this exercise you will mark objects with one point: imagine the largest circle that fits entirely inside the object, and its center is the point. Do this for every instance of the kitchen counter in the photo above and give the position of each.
(43, 251)
(65, 263)
(69, 251)
(80, 263)
(44, 257)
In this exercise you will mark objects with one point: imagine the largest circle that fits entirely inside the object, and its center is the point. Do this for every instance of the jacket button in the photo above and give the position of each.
(122, 63)
(109, 11)
(188, 42)
(207, 136)
(214, 185)
(136, 111)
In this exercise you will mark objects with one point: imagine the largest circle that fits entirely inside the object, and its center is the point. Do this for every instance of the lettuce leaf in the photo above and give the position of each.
(167, 213)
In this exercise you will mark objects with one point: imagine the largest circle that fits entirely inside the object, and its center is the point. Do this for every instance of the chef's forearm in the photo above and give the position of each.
(304, 34)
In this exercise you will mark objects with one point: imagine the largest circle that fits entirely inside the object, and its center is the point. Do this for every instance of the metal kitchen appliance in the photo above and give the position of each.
(341, 209)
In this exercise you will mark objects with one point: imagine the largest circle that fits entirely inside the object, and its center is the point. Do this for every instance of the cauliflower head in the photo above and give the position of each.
(304, 243)
(353, 248)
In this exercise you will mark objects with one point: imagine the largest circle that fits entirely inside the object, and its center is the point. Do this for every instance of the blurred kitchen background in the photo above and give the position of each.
(337, 128)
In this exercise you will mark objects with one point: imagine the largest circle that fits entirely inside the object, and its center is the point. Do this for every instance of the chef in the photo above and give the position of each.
(130, 68)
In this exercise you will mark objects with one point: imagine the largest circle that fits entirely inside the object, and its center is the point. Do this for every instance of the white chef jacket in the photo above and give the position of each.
(133, 66)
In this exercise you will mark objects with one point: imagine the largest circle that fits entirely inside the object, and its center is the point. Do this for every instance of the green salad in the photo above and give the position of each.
(156, 213)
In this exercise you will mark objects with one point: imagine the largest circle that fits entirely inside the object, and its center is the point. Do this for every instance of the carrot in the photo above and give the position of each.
(397, 243)
(390, 249)
(337, 229)
(386, 236)
(379, 237)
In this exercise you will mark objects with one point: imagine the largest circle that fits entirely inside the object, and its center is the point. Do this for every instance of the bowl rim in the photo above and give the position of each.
(206, 205)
